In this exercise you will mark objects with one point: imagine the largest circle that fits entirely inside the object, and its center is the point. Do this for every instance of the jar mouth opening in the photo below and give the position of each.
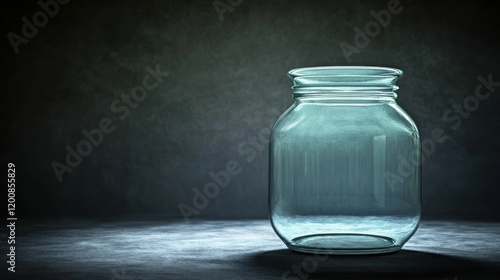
(345, 81)
(333, 71)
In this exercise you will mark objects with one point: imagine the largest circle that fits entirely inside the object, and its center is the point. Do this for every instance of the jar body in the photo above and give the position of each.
(344, 176)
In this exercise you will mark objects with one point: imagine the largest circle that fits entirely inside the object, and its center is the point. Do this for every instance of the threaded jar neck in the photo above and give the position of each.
(345, 82)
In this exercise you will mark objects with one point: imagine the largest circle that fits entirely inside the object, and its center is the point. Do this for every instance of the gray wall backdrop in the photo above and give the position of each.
(226, 80)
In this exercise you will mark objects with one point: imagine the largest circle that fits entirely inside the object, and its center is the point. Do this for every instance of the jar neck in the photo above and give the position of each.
(359, 100)
(345, 84)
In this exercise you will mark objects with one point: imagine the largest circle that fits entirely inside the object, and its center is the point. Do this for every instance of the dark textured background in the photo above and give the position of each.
(226, 77)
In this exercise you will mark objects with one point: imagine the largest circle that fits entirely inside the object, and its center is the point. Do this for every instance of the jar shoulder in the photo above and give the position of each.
(313, 119)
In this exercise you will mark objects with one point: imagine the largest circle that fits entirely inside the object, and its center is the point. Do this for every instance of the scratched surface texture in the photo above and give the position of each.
(226, 80)
(243, 249)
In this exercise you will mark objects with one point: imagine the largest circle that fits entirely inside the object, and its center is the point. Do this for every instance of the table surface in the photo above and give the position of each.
(242, 249)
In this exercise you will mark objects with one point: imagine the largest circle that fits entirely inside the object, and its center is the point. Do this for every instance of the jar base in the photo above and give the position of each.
(344, 244)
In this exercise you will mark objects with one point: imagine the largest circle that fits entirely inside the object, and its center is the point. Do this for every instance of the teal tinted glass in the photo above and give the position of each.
(345, 163)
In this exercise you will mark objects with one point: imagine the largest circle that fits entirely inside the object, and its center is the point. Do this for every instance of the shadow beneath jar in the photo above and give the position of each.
(404, 264)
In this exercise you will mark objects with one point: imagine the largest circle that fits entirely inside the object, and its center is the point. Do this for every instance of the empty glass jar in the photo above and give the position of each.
(345, 164)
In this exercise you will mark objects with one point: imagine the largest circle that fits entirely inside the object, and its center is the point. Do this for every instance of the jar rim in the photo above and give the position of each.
(345, 82)
(345, 71)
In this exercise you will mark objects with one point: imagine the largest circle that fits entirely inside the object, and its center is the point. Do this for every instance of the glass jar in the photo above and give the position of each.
(345, 164)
